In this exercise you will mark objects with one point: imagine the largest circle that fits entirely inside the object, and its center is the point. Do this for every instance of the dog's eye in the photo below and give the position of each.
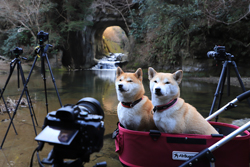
(155, 81)
(120, 80)
(130, 81)
(167, 82)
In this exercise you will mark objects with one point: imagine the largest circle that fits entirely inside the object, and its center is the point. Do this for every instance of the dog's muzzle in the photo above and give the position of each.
(158, 91)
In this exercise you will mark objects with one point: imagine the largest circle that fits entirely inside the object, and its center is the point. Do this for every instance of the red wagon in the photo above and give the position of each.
(231, 148)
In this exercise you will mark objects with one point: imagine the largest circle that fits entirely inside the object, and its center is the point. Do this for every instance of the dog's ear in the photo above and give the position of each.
(178, 76)
(119, 71)
(139, 74)
(151, 73)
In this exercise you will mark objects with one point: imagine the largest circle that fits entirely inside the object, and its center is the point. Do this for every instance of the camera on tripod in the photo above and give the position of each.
(219, 53)
(18, 51)
(76, 131)
(42, 36)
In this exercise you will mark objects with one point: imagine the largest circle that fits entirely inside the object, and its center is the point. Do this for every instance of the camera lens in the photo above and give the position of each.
(211, 54)
(93, 105)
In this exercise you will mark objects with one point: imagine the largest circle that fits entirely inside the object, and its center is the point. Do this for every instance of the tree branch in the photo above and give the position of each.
(213, 17)
(245, 45)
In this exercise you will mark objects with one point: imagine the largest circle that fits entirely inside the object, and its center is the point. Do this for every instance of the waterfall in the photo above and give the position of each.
(109, 62)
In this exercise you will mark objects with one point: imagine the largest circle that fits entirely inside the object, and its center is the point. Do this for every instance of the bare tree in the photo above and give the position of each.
(22, 13)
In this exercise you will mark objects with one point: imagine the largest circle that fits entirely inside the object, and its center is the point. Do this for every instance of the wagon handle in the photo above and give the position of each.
(243, 96)
(230, 104)
(218, 144)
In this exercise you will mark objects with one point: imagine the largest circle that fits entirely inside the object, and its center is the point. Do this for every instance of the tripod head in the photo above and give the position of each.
(42, 37)
(17, 51)
(42, 50)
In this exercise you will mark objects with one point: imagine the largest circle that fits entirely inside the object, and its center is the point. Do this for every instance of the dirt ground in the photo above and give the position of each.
(4, 66)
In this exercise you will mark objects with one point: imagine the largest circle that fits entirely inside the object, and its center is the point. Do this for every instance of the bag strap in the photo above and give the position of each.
(116, 132)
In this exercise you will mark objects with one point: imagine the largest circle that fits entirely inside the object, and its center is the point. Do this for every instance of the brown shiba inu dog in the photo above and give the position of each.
(135, 110)
(172, 114)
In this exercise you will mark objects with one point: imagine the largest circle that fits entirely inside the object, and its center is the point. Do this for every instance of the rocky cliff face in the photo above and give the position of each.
(86, 46)
(80, 52)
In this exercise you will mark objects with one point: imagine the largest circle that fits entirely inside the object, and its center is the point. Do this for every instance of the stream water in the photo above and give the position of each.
(99, 84)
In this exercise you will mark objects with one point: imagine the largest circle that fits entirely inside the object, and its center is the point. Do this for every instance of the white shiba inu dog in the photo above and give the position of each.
(135, 110)
(172, 114)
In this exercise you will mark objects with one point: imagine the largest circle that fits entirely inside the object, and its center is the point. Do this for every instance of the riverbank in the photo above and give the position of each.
(233, 80)
(5, 67)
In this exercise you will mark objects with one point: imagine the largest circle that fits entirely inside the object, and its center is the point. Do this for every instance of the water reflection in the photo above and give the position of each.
(107, 75)
(201, 95)
(97, 84)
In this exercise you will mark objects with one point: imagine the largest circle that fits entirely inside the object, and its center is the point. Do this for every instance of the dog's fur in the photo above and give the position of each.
(181, 117)
(129, 88)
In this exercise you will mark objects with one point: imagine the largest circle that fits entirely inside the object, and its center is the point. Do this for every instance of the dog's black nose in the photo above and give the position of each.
(120, 86)
(158, 91)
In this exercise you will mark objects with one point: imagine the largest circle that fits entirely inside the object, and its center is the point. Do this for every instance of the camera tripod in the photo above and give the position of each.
(43, 51)
(220, 86)
(13, 63)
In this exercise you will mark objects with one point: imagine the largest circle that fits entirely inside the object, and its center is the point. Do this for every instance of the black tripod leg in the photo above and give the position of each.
(27, 95)
(6, 83)
(11, 120)
(228, 79)
(222, 75)
(240, 81)
(44, 82)
(24, 89)
(28, 99)
(8, 113)
(223, 79)
(53, 80)
(221, 90)
(18, 72)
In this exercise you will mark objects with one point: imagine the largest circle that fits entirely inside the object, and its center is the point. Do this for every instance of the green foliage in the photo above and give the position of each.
(138, 29)
(13, 40)
(171, 28)
(10, 42)
(64, 17)
(24, 37)
(75, 13)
